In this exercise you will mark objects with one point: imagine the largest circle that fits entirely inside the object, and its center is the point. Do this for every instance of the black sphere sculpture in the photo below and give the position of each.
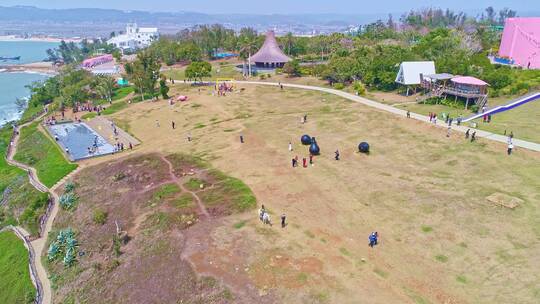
(314, 148)
(363, 147)
(306, 139)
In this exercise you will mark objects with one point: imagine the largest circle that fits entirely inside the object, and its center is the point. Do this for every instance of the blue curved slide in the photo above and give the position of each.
(513, 104)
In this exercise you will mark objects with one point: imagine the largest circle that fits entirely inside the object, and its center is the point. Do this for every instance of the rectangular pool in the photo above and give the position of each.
(79, 141)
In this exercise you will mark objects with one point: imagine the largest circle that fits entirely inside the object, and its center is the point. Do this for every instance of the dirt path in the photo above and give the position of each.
(180, 183)
(39, 273)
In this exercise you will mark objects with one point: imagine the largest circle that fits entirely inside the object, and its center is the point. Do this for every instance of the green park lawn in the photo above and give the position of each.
(522, 121)
(227, 70)
(39, 151)
(15, 283)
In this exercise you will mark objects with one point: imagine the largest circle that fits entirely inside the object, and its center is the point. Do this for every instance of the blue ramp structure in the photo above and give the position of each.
(512, 104)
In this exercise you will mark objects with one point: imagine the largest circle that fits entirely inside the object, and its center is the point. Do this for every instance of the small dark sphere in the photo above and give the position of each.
(305, 139)
(363, 147)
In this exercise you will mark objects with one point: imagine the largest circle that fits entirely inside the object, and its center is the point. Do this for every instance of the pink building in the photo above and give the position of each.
(92, 62)
(521, 42)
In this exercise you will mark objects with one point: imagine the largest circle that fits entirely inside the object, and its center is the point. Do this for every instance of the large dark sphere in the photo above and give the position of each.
(314, 147)
(306, 139)
(363, 147)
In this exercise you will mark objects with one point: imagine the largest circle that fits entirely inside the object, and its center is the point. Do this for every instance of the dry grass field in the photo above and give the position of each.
(437, 203)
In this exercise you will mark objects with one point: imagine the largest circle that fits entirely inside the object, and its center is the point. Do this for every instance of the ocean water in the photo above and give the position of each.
(30, 51)
(12, 85)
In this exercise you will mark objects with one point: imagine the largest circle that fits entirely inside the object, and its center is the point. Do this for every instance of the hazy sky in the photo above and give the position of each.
(283, 6)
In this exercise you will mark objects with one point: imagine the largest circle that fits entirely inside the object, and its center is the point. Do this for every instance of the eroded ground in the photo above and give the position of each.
(442, 240)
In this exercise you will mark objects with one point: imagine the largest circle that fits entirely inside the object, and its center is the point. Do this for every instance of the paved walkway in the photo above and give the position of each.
(479, 133)
(37, 246)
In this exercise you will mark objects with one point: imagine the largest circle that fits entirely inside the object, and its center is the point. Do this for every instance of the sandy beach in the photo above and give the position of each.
(35, 67)
(38, 39)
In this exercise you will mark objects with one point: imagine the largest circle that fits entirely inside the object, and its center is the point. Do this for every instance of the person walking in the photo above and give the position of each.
(305, 118)
(189, 137)
(435, 119)
(130, 146)
(283, 219)
(157, 123)
(290, 147)
(293, 163)
(304, 161)
(510, 148)
(408, 114)
(467, 133)
(337, 155)
(473, 136)
(172, 124)
(241, 138)
(372, 240)
(261, 213)
(311, 159)
(448, 131)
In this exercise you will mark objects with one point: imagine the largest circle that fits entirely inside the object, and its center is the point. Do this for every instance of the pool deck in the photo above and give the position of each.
(102, 126)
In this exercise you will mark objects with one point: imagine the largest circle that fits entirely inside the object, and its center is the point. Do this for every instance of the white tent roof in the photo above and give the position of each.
(409, 71)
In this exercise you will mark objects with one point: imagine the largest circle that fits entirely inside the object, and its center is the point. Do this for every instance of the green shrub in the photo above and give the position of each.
(69, 186)
(359, 88)
(339, 86)
(68, 200)
(99, 216)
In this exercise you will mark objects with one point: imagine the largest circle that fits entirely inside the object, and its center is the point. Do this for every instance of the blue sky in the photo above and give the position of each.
(284, 6)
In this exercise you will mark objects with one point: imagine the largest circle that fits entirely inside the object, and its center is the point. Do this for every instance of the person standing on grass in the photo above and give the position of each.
(304, 161)
(337, 155)
(510, 148)
(467, 133)
(311, 159)
(305, 118)
(290, 147)
(473, 136)
(293, 163)
(157, 123)
(435, 119)
(130, 146)
(408, 114)
(372, 240)
(283, 218)
(172, 124)
(241, 138)
(189, 137)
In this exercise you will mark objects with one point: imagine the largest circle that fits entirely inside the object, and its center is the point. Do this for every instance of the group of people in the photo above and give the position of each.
(304, 161)
(264, 217)
(223, 88)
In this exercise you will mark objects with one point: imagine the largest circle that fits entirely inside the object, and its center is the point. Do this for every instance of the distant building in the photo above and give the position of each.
(410, 72)
(270, 55)
(94, 61)
(520, 43)
(135, 37)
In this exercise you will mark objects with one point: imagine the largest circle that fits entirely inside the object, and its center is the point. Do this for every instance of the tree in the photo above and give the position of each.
(198, 69)
(144, 72)
(163, 88)
(292, 68)
(104, 85)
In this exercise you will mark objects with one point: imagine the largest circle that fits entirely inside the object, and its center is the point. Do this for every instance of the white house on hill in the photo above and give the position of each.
(135, 37)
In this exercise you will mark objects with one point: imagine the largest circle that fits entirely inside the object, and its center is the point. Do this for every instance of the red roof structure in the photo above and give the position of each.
(270, 55)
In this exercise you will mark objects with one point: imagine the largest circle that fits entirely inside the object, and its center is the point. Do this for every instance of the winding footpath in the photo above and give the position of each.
(388, 108)
(37, 246)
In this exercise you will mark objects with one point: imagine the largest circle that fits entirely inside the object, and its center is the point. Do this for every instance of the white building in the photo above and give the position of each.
(135, 37)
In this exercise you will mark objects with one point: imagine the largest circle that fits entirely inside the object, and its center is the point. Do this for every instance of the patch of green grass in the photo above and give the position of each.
(196, 105)
(380, 272)
(166, 191)
(194, 184)
(309, 234)
(321, 297)
(461, 279)
(239, 224)
(302, 277)
(122, 92)
(184, 201)
(15, 282)
(199, 125)
(441, 258)
(229, 130)
(242, 197)
(324, 241)
(89, 115)
(39, 151)
(415, 296)
(344, 251)
(115, 107)
(30, 112)
(427, 229)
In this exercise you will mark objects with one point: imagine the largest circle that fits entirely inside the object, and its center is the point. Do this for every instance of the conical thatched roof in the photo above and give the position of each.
(270, 51)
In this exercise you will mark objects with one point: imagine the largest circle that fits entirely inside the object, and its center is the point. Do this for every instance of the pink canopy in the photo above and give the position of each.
(270, 51)
(521, 41)
(469, 80)
(92, 62)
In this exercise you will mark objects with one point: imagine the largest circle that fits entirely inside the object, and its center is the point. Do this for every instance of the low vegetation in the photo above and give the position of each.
(15, 282)
(39, 151)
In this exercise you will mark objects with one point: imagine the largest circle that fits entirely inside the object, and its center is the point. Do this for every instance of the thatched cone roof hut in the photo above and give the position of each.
(270, 55)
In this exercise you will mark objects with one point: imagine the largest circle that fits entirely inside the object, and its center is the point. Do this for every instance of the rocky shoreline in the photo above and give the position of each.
(36, 67)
